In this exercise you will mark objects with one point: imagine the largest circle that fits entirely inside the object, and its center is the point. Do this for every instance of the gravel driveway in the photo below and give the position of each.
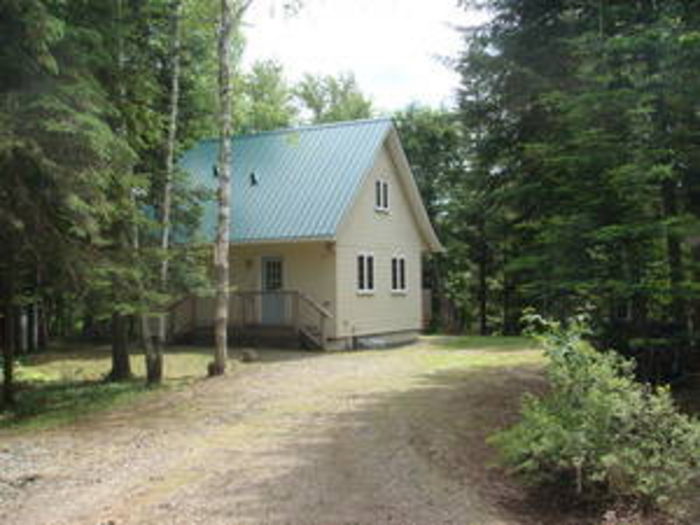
(379, 437)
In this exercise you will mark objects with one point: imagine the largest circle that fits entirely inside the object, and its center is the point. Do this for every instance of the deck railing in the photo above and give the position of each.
(279, 308)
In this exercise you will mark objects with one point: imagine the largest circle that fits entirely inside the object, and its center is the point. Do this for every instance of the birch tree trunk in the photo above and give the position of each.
(218, 367)
(154, 360)
(172, 135)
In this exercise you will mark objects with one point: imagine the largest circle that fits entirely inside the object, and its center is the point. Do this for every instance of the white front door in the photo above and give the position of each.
(272, 278)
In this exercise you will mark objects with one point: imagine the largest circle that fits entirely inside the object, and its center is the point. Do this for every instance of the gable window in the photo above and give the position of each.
(398, 273)
(381, 195)
(365, 273)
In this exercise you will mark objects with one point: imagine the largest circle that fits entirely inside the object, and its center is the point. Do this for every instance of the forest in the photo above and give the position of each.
(569, 177)
(566, 178)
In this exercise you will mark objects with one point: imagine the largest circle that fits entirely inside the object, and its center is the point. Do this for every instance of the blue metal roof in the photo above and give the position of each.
(306, 177)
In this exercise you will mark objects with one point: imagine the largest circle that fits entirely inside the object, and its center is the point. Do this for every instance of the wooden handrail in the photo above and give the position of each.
(303, 313)
(323, 311)
(177, 302)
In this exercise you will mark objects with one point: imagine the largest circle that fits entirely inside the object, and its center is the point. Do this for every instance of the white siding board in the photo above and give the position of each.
(309, 267)
(385, 235)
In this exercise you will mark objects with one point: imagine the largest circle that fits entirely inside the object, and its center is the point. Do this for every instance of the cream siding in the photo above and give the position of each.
(308, 267)
(385, 235)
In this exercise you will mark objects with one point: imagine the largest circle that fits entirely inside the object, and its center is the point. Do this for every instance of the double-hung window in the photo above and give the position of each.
(398, 273)
(365, 273)
(381, 195)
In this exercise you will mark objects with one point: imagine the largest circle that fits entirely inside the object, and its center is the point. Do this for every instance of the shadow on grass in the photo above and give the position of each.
(277, 355)
(88, 352)
(477, 342)
(62, 402)
(67, 384)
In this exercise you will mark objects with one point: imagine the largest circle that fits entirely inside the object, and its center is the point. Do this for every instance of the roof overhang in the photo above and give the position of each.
(413, 194)
(282, 240)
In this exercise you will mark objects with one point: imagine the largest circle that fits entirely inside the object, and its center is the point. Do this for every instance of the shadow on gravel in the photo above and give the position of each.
(415, 455)
(275, 355)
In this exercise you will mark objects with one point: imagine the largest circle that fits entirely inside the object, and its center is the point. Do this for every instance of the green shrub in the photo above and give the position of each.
(598, 432)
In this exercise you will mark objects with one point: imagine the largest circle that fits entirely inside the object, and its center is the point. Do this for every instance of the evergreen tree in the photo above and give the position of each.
(433, 142)
(60, 161)
(580, 119)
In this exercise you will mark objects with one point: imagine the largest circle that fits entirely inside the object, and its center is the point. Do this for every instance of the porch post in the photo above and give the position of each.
(323, 331)
(193, 318)
(296, 322)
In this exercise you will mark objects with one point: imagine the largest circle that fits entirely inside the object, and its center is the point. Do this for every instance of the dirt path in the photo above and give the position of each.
(391, 437)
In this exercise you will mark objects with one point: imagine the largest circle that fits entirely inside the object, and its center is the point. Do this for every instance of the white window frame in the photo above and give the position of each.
(364, 262)
(399, 282)
(381, 195)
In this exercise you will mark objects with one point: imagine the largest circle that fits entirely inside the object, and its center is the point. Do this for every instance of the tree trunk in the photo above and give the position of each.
(437, 321)
(121, 367)
(32, 327)
(61, 316)
(154, 362)
(695, 319)
(154, 366)
(482, 292)
(152, 352)
(172, 135)
(16, 331)
(42, 326)
(675, 262)
(506, 297)
(510, 321)
(8, 394)
(221, 253)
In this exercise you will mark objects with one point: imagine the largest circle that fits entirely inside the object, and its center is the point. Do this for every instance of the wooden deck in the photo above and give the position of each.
(285, 315)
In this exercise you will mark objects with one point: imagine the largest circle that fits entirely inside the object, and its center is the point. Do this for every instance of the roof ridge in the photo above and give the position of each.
(305, 127)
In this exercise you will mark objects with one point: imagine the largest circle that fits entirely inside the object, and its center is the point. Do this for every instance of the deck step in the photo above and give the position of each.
(255, 336)
(310, 339)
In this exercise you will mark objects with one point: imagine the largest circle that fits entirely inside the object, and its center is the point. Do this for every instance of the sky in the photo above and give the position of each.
(392, 46)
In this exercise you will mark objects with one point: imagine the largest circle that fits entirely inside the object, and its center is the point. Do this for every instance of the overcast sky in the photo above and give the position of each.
(391, 45)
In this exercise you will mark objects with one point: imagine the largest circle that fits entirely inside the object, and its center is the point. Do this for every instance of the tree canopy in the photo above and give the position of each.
(582, 160)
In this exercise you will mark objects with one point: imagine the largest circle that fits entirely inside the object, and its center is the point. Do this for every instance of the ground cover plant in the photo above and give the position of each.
(598, 433)
(68, 382)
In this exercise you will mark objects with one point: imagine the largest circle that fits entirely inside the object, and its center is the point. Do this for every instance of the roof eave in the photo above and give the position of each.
(282, 240)
(430, 237)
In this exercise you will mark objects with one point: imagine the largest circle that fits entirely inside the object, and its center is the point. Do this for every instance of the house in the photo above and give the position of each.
(327, 236)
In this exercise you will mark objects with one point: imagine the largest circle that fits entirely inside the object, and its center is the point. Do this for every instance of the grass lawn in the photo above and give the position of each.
(473, 352)
(481, 342)
(66, 382)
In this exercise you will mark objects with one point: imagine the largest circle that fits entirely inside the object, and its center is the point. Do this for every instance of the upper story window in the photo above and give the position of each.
(398, 273)
(365, 273)
(381, 195)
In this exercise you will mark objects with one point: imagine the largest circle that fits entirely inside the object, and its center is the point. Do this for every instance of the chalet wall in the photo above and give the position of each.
(309, 267)
(385, 234)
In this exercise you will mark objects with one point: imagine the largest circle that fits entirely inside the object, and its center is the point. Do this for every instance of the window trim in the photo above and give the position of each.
(365, 273)
(399, 282)
(381, 195)
(264, 277)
